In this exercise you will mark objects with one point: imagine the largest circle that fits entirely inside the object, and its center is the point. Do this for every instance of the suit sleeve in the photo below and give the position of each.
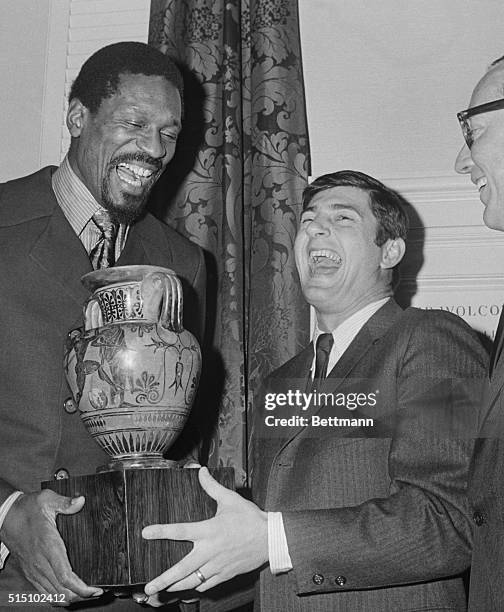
(421, 531)
(195, 302)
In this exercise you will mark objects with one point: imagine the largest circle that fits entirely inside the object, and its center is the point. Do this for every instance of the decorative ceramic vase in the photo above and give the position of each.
(133, 369)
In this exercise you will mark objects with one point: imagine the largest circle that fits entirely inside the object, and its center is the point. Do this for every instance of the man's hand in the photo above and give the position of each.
(234, 541)
(154, 600)
(29, 532)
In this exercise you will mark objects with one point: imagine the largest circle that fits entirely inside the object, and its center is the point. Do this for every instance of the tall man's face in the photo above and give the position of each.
(340, 266)
(484, 161)
(120, 151)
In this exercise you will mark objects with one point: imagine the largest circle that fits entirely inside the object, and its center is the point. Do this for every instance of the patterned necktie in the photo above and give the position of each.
(102, 255)
(323, 349)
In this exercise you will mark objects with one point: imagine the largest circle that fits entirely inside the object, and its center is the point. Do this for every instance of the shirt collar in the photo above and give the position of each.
(345, 332)
(74, 198)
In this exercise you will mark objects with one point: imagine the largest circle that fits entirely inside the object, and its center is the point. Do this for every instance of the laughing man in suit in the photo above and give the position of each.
(368, 515)
(124, 117)
(482, 157)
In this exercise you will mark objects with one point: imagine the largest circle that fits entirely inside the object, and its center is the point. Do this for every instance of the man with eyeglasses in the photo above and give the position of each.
(482, 157)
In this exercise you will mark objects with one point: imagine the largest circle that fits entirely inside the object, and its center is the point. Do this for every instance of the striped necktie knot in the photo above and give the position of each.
(102, 255)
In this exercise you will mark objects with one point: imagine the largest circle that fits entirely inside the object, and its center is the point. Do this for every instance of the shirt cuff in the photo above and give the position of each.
(4, 508)
(278, 549)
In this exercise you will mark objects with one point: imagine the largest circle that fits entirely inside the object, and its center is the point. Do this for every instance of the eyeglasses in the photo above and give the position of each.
(464, 115)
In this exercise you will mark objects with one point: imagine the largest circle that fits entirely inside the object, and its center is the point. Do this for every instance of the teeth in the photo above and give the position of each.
(137, 170)
(318, 256)
(481, 182)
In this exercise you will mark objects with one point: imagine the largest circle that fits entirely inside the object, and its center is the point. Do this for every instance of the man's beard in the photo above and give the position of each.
(130, 206)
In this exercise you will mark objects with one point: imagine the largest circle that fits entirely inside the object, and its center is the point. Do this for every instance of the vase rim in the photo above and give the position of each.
(107, 276)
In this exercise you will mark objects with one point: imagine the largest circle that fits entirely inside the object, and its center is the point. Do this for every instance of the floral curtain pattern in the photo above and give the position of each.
(239, 198)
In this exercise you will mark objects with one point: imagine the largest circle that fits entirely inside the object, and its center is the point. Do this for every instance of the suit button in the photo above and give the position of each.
(69, 405)
(479, 518)
(61, 474)
(318, 578)
(340, 580)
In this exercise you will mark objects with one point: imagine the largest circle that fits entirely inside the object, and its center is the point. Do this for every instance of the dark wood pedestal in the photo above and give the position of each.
(104, 541)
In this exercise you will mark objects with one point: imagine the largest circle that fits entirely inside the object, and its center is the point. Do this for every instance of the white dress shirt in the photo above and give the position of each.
(79, 206)
(278, 549)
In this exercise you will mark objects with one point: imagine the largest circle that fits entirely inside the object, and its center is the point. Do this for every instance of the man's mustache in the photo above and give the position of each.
(137, 157)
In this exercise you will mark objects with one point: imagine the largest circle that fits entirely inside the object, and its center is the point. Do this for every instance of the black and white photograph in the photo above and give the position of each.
(252, 271)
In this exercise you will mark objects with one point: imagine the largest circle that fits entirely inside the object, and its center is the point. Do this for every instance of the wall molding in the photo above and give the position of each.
(468, 282)
(433, 189)
(454, 237)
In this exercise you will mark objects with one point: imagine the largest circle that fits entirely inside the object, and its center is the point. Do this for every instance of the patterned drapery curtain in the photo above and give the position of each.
(236, 191)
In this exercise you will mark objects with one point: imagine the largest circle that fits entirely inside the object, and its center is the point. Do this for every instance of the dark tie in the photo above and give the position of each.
(102, 255)
(322, 351)
(497, 344)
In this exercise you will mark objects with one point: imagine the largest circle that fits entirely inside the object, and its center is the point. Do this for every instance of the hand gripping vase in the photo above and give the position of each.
(133, 369)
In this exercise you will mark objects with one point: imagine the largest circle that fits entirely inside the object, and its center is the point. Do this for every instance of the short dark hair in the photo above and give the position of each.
(100, 74)
(386, 204)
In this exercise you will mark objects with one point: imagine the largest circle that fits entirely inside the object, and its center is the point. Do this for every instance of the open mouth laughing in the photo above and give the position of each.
(324, 261)
(136, 171)
(133, 174)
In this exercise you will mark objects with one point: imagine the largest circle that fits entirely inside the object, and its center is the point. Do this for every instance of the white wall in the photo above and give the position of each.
(42, 46)
(384, 81)
(24, 29)
(385, 78)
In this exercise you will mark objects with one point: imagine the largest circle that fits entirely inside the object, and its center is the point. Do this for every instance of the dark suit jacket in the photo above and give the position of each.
(377, 518)
(486, 494)
(42, 261)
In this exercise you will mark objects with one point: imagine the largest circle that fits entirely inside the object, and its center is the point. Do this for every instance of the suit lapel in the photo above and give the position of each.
(350, 358)
(370, 334)
(61, 257)
(66, 264)
(293, 372)
(56, 251)
(300, 365)
(497, 344)
(496, 374)
(494, 390)
(146, 244)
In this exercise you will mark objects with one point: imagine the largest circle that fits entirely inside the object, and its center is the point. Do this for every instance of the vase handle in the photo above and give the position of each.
(171, 311)
(93, 317)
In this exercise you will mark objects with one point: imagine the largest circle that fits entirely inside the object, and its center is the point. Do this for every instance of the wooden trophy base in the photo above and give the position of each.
(104, 540)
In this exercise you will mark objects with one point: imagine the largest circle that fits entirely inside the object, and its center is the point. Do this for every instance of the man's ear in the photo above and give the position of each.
(76, 117)
(392, 252)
